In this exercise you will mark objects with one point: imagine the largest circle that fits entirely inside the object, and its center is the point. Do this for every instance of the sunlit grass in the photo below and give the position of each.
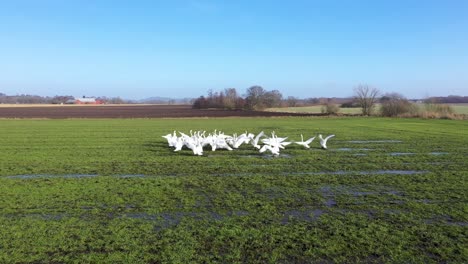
(106, 191)
(458, 108)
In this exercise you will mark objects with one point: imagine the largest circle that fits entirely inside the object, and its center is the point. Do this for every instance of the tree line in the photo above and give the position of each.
(255, 98)
(58, 99)
(365, 97)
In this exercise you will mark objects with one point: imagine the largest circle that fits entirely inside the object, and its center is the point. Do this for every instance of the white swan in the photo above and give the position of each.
(273, 149)
(171, 139)
(254, 142)
(305, 143)
(323, 141)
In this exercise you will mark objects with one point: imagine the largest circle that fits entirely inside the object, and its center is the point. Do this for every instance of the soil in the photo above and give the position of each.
(129, 111)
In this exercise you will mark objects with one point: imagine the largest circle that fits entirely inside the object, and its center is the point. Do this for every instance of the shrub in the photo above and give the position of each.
(395, 105)
(330, 108)
(441, 109)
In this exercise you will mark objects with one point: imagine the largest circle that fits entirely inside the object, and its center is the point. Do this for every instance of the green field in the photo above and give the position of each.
(457, 108)
(107, 191)
(460, 108)
(315, 109)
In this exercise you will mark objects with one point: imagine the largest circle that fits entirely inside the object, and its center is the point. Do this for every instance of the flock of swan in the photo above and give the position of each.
(198, 140)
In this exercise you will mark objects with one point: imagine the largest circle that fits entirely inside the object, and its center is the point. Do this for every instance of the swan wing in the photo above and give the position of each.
(309, 140)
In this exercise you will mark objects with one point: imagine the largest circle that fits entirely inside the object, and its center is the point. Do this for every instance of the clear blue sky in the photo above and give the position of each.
(182, 48)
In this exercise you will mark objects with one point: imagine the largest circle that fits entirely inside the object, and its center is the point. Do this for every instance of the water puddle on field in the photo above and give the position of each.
(166, 220)
(35, 176)
(47, 217)
(169, 219)
(329, 193)
(131, 175)
(402, 172)
(402, 153)
(71, 176)
(309, 215)
(445, 220)
(438, 153)
(352, 149)
(241, 174)
(374, 141)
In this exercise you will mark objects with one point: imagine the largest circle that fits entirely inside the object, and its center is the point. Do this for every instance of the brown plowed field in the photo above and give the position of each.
(126, 111)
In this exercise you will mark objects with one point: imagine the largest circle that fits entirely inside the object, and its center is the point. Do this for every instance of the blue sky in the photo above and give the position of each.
(183, 48)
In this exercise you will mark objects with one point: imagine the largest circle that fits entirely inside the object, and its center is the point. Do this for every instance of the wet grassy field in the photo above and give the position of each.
(109, 190)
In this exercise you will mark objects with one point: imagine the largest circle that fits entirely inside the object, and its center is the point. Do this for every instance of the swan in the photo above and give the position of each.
(254, 142)
(171, 139)
(195, 145)
(274, 144)
(323, 141)
(276, 141)
(179, 144)
(244, 138)
(273, 149)
(305, 143)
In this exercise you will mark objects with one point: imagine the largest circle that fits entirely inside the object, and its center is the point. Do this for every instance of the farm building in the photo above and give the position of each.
(84, 100)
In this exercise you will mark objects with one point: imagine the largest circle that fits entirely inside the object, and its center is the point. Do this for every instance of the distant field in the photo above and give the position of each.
(124, 111)
(112, 191)
(67, 105)
(458, 108)
(312, 110)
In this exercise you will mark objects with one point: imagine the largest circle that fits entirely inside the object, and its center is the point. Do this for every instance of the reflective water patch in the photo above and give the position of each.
(131, 175)
(352, 149)
(34, 176)
(404, 172)
(308, 215)
(438, 153)
(401, 153)
(375, 141)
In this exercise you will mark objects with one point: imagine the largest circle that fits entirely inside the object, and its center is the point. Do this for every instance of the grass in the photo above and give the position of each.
(458, 108)
(112, 191)
(312, 109)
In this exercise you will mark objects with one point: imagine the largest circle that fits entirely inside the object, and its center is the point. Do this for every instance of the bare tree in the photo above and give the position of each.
(366, 96)
(272, 98)
(254, 98)
(292, 101)
(230, 98)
